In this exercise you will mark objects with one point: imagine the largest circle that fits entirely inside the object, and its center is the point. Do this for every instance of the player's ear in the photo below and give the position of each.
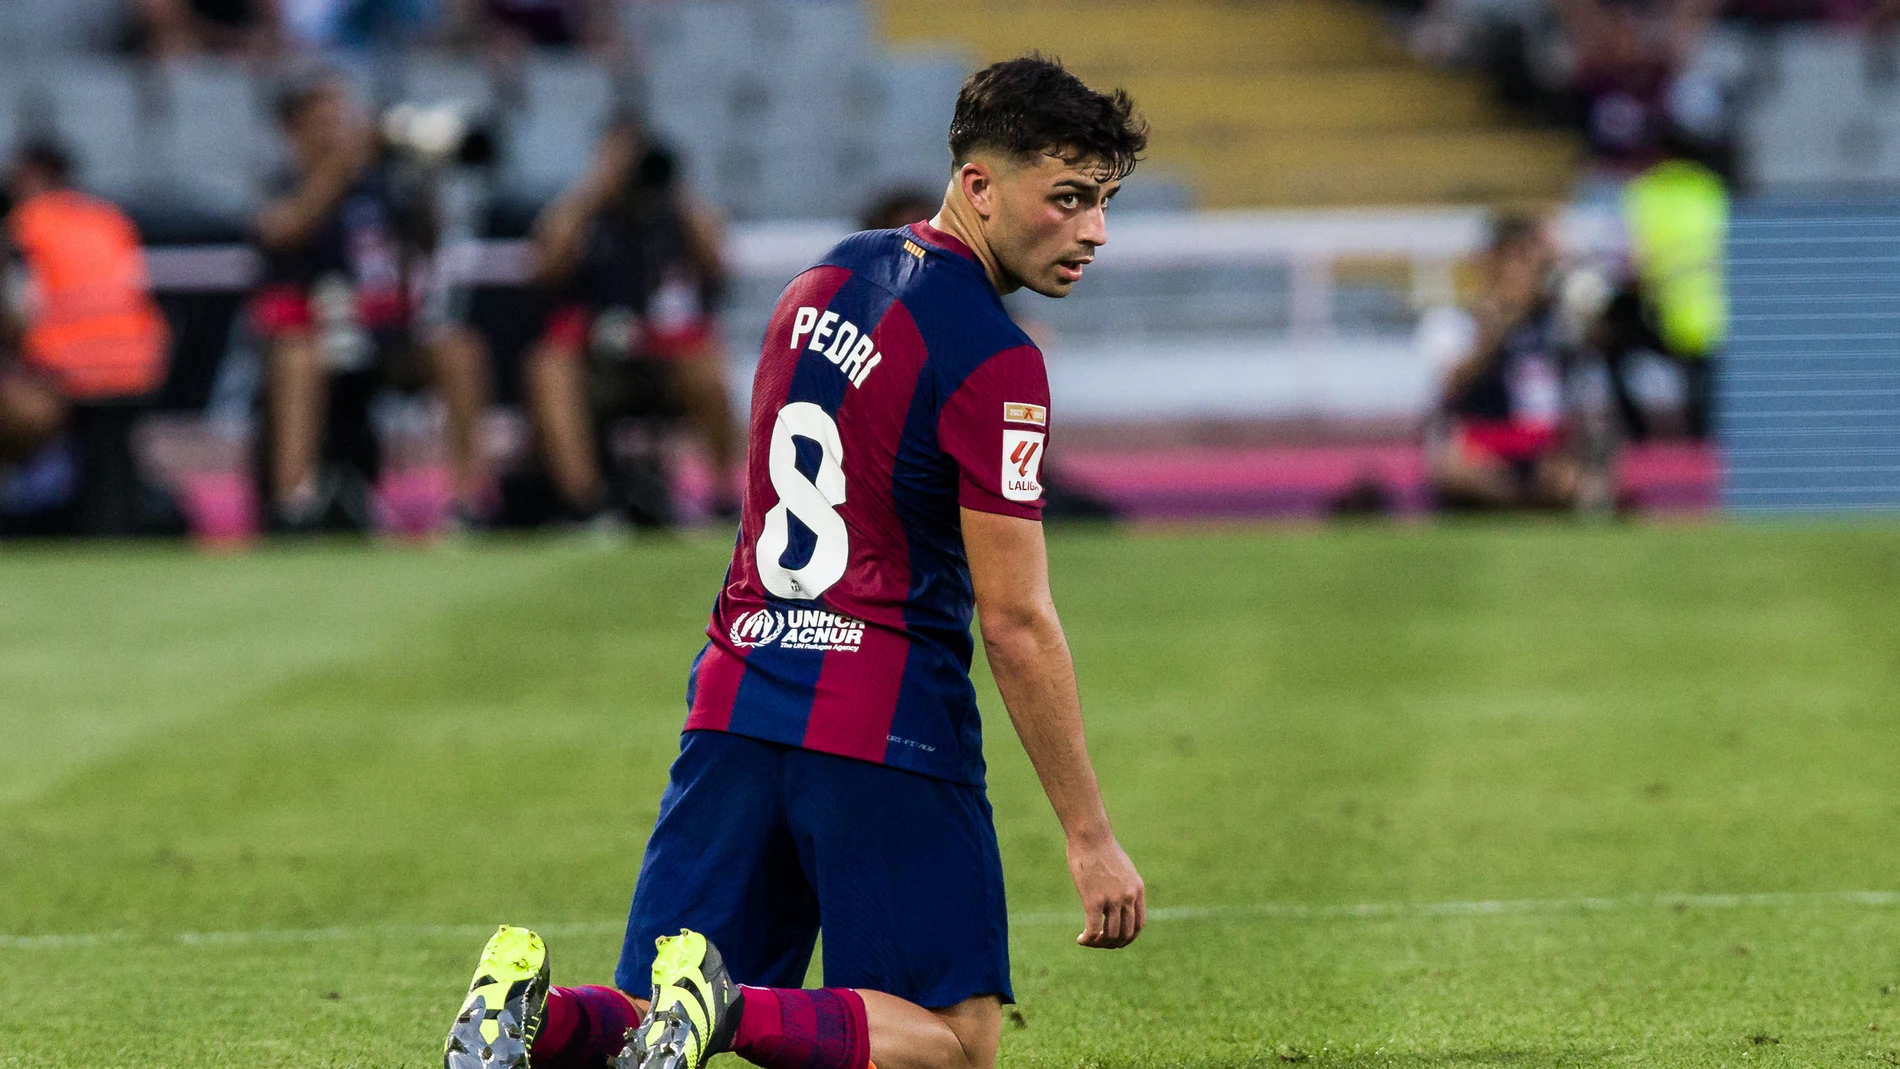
(979, 187)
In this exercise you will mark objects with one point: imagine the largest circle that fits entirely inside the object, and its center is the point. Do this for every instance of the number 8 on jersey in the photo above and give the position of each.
(813, 500)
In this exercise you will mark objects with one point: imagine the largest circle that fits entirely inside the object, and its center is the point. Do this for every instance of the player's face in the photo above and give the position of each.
(1523, 270)
(1050, 216)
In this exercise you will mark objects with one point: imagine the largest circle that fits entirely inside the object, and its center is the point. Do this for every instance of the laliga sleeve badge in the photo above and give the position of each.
(1022, 465)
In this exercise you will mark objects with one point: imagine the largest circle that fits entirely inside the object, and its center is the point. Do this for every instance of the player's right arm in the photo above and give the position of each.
(556, 240)
(1029, 656)
(288, 220)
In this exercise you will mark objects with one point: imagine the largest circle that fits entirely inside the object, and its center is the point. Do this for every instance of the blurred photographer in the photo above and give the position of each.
(1500, 436)
(634, 270)
(348, 243)
(82, 345)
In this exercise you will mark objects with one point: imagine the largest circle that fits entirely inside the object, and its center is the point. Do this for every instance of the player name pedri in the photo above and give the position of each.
(838, 340)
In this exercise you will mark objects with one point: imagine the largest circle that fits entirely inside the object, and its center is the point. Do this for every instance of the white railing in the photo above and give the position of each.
(1309, 244)
(1197, 316)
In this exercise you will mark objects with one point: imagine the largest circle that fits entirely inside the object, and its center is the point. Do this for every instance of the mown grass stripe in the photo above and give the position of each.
(1269, 910)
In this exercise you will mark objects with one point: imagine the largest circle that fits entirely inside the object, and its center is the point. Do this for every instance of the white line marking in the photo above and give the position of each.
(1273, 910)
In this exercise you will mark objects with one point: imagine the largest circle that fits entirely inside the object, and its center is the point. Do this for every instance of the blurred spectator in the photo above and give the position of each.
(347, 256)
(324, 25)
(518, 24)
(1676, 214)
(192, 27)
(1498, 437)
(1630, 57)
(634, 266)
(900, 207)
(81, 342)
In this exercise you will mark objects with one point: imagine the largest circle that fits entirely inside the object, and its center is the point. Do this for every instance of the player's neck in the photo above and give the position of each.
(958, 221)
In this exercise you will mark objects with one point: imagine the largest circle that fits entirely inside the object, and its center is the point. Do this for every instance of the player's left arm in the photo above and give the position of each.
(996, 426)
(1029, 656)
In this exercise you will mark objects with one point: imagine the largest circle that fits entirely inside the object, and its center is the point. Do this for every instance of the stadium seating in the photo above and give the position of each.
(211, 135)
(1301, 102)
(99, 109)
(792, 109)
(9, 110)
(69, 27)
(1819, 121)
(564, 104)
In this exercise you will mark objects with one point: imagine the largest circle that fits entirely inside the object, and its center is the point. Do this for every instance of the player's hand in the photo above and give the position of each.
(1113, 897)
(351, 150)
(613, 163)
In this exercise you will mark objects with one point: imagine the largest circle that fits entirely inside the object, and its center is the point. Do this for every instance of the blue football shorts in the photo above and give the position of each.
(760, 845)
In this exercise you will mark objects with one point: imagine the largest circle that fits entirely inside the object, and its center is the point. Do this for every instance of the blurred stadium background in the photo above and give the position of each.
(1253, 345)
(1417, 794)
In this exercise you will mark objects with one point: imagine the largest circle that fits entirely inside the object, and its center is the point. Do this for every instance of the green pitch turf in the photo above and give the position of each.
(1459, 796)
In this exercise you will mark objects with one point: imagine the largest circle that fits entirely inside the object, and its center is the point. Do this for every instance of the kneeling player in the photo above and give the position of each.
(831, 772)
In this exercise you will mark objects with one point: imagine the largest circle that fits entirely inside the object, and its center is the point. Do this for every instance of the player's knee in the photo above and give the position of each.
(550, 369)
(294, 355)
(457, 357)
(37, 413)
(977, 1024)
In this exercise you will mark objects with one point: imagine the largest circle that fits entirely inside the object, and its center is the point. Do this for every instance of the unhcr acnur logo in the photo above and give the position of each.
(799, 629)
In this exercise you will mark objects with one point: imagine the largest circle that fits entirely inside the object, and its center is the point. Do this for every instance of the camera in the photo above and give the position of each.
(435, 136)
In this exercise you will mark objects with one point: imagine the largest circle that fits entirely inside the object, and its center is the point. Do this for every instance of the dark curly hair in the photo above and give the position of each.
(1031, 106)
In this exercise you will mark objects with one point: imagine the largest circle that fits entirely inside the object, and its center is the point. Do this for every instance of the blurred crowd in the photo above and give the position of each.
(1540, 378)
(626, 277)
(1633, 76)
(1561, 360)
(268, 30)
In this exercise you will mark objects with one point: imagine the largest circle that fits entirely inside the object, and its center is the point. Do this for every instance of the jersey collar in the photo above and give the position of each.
(930, 235)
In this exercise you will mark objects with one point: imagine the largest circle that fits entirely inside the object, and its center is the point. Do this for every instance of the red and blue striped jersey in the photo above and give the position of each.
(892, 389)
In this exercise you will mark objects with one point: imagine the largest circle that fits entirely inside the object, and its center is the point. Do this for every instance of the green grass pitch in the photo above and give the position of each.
(1519, 796)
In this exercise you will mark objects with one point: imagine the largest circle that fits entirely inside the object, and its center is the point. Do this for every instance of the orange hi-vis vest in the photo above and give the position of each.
(90, 322)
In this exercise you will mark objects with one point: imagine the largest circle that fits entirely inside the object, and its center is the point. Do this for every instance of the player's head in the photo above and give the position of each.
(39, 167)
(1520, 255)
(1037, 155)
(314, 112)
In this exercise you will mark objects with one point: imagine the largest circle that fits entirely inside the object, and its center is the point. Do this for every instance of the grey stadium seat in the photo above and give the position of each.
(551, 138)
(212, 135)
(50, 29)
(9, 113)
(920, 93)
(96, 108)
(463, 84)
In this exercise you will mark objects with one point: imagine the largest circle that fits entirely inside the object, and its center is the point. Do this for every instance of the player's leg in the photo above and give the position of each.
(907, 1036)
(555, 382)
(721, 865)
(699, 377)
(929, 956)
(296, 393)
(1556, 479)
(459, 367)
(916, 965)
(1464, 476)
(31, 413)
(719, 857)
(512, 1018)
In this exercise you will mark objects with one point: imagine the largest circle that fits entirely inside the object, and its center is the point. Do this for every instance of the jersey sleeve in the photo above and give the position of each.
(996, 427)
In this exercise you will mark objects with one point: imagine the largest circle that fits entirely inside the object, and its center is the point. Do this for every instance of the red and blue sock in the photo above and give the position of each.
(583, 1029)
(788, 1028)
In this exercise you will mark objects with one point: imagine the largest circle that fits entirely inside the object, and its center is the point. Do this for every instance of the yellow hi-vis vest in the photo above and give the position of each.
(1677, 214)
